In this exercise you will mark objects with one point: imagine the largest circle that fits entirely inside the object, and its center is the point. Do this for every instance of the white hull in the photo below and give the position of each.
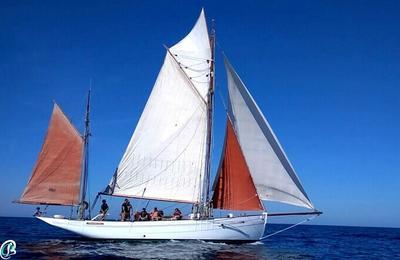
(237, 229)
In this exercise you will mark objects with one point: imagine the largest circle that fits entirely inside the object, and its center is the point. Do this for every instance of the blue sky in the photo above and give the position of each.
(325, 73)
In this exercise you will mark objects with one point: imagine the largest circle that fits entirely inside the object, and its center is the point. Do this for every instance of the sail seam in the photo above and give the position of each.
(162, 150)
(162, 171)
(289, 194)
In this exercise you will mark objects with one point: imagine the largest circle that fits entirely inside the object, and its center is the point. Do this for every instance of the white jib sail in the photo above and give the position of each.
(272, 173)
(165, 158)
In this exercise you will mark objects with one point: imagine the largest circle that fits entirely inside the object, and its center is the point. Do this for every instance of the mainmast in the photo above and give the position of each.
(205, 207)
(83, 205)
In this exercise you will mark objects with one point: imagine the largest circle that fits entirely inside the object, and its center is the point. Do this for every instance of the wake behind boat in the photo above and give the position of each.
(171, 147)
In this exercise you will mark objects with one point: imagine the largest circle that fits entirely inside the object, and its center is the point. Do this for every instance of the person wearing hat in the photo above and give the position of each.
(126, 209)
(103, 209)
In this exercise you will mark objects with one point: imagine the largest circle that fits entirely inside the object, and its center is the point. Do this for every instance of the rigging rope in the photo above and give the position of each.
(95, 201)
(191, 57)
(292, 226)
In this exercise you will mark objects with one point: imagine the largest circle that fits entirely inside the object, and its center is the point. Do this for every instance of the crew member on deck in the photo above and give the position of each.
(144, 216)
(103, 209)
(136, 216)
(177, 215)
(38, 213)
(126, 209)
(155, 214)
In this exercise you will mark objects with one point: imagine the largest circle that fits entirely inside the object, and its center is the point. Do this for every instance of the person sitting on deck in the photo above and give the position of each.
(177, 215)
(38, 213)
(126, 210)
(155, 214)
(136, 217)
(103, 209)
(161, 214)
(144, 216)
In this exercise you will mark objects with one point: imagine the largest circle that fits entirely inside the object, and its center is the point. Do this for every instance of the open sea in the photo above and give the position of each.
(37, 240)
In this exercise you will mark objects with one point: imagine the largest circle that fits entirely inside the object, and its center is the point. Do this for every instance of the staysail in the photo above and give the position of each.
(56, 176)
(271, 171)
(165, 158)
(234, 188)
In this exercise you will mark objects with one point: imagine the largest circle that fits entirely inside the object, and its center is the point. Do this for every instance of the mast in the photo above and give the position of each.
(84, 182)
(205, 207)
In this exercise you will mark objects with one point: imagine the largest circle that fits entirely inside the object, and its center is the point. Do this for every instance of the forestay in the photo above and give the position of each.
(165, 158)
(272, 173)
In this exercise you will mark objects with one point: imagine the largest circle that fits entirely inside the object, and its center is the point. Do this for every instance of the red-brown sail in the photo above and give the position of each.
(56, 176)
(234, 188)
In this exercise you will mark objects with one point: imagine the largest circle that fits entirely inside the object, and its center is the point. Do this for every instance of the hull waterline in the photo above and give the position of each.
(234, 230)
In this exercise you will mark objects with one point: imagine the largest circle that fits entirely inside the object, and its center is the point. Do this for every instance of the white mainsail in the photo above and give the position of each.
(165, 158)
(272, 173)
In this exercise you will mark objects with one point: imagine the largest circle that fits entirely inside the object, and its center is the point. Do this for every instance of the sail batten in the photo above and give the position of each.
(273, 174)
(55, 179)
(165, 158)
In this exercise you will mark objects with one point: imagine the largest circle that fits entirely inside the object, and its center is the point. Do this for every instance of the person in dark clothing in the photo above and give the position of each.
(38, 213)
(161, 214)
(144, 216)
(177, 215)
(126, 209)
(103, 209)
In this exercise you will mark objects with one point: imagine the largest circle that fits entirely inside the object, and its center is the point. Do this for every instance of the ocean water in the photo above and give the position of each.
(37, 240)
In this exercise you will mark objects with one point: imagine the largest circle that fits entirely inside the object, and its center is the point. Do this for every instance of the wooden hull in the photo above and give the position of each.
(237, 229)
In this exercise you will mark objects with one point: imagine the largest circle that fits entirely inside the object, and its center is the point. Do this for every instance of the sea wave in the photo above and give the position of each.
(38, 240)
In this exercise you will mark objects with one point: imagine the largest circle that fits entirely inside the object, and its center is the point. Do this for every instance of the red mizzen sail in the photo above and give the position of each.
(56, 176)
(234, 188)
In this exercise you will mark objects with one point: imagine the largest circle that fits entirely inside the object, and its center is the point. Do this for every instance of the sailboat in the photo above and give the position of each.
(168, 158)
